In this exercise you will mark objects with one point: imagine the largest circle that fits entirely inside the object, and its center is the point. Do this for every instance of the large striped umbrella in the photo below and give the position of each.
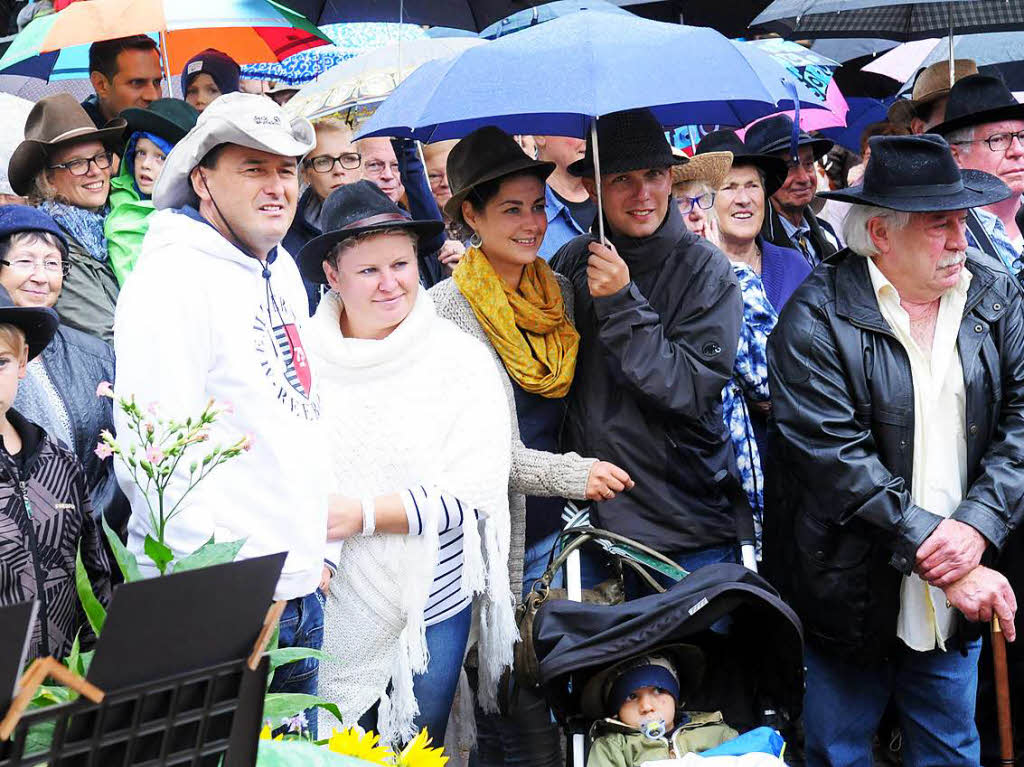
(56, 46)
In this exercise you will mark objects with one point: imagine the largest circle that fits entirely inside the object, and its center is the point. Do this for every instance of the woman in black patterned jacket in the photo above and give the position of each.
(45, 511)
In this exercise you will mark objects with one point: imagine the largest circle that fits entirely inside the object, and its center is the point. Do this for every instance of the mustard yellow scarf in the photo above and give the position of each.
(528, 328)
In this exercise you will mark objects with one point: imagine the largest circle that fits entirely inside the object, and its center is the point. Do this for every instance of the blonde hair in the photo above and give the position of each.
(332, 123)
(12, 339)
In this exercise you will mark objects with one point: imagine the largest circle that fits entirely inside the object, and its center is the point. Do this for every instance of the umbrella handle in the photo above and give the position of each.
(1006, 750)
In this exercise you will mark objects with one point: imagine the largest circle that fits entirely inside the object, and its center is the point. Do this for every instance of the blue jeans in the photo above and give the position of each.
(301, 625)
(435, 689)
(933, 691)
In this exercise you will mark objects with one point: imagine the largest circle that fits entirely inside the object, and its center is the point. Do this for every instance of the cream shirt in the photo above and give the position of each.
(940, 445)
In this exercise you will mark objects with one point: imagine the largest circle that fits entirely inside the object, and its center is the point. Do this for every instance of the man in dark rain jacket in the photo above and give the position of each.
(658, 310)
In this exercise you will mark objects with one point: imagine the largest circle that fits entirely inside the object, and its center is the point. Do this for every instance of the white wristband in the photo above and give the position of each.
(369, 515)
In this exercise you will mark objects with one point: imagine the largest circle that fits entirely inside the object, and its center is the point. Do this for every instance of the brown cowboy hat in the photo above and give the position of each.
(932, 83)
(56, 121)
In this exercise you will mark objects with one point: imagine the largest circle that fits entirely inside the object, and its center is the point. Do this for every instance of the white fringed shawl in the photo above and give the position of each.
(423, 406)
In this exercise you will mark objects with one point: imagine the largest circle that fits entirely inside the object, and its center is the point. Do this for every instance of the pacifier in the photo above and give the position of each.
(653, 729)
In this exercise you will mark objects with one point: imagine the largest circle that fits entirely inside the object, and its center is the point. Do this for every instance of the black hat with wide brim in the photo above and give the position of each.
(38, 323)
(486, 154)
(170, 119)
(773, 168)
(354, 209)
(774, 135)
(976, 100)
(687, 659)
(918, 174)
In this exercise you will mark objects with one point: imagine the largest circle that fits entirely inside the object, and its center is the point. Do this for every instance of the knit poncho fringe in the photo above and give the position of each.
(423, 406)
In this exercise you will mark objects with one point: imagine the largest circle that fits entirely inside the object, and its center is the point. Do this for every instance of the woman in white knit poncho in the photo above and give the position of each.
(418, 435)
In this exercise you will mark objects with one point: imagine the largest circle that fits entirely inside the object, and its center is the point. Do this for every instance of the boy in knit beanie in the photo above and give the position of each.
(207, 75)
(643, 701)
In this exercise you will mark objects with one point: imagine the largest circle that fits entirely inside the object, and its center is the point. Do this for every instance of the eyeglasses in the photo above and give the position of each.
(998, 142)
(324, 163)
(704, 202)
(27, 266)
(80, 166)
(376, 167)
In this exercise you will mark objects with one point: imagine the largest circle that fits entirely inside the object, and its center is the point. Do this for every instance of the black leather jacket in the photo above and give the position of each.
(840, 527)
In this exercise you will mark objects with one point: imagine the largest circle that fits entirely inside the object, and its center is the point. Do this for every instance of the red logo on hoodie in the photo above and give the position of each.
(296, 362)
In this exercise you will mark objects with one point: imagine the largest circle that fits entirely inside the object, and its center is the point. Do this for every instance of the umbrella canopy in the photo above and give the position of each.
(1001, 51)
(247, 30)
(541, 13)
(461, 14)
(891, 19)
(350, 40)
(603, 63)
(370, 78)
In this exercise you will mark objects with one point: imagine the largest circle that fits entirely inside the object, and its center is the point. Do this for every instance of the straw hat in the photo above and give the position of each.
(710, 167)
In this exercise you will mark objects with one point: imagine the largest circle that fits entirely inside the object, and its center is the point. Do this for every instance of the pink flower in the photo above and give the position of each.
(105, 390)
(154, 454)
(247, 442)
(151, 408)
(103, 450)
(227, 407)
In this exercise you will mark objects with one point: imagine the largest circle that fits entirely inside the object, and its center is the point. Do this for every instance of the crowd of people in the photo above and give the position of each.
(432, 350)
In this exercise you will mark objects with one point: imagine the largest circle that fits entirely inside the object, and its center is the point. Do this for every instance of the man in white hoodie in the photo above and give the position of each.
(215, 308)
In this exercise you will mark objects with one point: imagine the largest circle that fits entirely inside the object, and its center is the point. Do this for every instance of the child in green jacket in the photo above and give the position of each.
(152, 134)
(643, 697)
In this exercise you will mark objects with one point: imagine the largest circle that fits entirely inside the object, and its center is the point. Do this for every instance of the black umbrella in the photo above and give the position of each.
(461, 14)
(890, 19)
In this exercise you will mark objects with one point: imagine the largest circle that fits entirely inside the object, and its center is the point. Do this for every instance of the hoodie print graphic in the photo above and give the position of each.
(283, 357)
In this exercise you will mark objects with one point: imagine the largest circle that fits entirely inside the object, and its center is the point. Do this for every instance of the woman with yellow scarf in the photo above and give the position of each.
(511, 300)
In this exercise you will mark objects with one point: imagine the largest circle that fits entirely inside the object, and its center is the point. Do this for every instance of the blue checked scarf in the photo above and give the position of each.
(749, 382)
(84, 226)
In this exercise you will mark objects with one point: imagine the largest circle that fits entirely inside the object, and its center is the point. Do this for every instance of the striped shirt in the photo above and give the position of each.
(446, 597)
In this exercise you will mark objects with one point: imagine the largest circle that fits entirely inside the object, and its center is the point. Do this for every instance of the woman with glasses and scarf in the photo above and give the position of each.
(64, 167)
(768, 274)
(59, 388)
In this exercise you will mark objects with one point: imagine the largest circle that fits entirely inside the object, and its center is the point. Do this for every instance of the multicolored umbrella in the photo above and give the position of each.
(56, 46)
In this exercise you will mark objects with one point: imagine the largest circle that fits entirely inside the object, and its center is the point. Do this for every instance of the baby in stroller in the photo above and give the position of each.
(641, 700)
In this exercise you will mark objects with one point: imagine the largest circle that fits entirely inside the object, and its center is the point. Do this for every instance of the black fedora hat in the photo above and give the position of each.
(775, 135)
(170, 119)
(774, 168)
(627, 141)
(976, 100)
(918, 174)
(350, 210)
(486, 154)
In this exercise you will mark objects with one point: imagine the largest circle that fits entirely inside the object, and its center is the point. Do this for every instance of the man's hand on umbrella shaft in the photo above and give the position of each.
(607, 273)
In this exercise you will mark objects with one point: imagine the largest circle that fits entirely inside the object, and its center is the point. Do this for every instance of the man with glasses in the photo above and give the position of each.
(984, 126)
(395, 166)
(792, 223)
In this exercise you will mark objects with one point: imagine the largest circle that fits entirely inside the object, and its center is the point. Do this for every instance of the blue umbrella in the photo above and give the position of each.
(556, 78)
(863, 112)
(539, 14)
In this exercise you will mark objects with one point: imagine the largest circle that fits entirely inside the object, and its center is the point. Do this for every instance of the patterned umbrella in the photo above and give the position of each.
(350, 40)
(890, 19)
(56, 46)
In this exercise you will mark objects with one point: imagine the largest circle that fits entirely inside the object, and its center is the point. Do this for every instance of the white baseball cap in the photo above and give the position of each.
(245, 119)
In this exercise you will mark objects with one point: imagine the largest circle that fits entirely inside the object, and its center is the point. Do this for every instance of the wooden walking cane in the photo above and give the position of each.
(1006, 751)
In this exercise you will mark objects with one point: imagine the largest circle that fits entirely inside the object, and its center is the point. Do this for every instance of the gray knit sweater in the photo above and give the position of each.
(534, 472)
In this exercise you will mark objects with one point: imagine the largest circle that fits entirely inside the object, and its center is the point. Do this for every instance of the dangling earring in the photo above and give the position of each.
(475, 241)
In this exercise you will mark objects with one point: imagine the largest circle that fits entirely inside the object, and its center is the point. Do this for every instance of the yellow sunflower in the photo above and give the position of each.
(419, 754)
(361, 745)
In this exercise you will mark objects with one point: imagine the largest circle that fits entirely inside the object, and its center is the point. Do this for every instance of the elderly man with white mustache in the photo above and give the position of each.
(897, 380)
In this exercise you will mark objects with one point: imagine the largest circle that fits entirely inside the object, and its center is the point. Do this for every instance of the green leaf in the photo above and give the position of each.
(94, 611)
(158, 552)
(280, 705)
(286, 655)
(210, 554)
(39, 738)
(74, 659)
(125, 559)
